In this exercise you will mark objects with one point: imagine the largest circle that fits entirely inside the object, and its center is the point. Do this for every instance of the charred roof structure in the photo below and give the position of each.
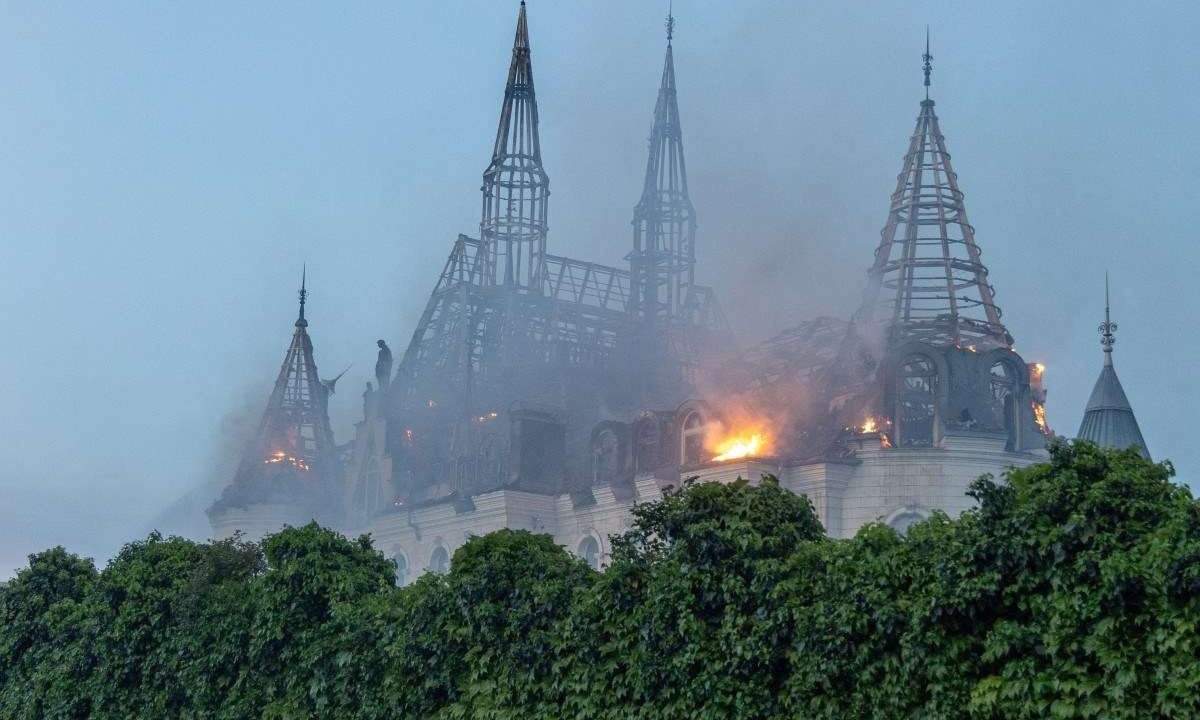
(548, 393)
(1108, 420)
(516, 343)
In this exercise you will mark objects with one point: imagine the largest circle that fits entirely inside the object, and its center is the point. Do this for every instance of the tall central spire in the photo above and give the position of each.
(515, 187)
(928, 281)
(664, 222)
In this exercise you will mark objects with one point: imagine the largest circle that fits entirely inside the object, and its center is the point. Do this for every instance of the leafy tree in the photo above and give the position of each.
(1072, 590)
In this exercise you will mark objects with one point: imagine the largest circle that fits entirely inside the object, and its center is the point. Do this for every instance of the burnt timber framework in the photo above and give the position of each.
(583, 387)
(516, 340)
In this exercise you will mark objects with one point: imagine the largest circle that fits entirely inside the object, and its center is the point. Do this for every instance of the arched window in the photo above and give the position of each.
(906, 519)
(1004, 393)
(589, 550)
(916, 406)
(439, 561)
(691, 440)
(606, 456)
(649, 438)
(401, 570)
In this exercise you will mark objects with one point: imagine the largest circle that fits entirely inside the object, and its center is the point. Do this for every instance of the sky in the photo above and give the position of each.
(167, 168)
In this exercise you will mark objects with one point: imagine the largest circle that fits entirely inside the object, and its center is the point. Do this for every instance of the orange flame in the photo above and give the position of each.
(1039, 415)
(884, 442)
(740, 446)
(282, 457)
(870, 426)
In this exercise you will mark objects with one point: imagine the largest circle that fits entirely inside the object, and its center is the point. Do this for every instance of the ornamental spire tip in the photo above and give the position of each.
(928, 62)
(300, 321)
(1108, 327)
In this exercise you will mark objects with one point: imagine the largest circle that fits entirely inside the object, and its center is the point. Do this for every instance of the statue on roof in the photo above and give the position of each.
(383, 365)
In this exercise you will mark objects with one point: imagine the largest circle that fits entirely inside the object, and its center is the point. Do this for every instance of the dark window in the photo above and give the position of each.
(916, 407)
(691, 440)
(1004, 391)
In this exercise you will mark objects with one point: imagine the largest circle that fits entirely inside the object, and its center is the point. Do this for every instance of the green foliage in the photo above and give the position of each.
(1071, 591)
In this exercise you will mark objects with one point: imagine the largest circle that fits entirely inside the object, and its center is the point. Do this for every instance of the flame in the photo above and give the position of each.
(282, 457)
(740, 446)
(1038, 370)
(870, 426)
(1039, 415)
(884, 442)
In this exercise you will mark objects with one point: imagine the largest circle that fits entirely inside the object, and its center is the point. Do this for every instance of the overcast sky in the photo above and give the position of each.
(165, 169)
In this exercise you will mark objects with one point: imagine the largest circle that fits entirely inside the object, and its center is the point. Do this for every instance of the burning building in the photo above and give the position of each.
(552, 394)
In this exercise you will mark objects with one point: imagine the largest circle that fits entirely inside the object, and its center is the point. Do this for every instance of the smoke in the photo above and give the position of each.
(186, 515)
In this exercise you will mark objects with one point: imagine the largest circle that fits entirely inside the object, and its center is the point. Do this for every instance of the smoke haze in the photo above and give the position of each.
(167, 169)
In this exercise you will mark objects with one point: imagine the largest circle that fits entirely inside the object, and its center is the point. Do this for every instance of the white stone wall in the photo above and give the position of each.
(878, 484)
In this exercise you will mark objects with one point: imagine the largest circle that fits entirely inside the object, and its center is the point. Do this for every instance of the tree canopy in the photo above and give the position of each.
(1072, 590)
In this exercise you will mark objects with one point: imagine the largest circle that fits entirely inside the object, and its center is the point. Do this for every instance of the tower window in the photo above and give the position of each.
(1004, 391)
(916, 406)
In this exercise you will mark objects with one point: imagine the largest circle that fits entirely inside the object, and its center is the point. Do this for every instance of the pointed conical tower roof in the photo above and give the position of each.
(928, 282)
(663, 259)
(294, 433)
(1108, 420)
(515, 186)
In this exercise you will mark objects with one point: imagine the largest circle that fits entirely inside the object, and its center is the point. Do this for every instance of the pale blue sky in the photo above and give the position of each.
(166, 168)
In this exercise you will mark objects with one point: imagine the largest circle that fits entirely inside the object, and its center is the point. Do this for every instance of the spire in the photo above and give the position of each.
(1107, 328)
(300, 321)
(515, 186)
(1108, 419)
(928, 281)
(664, 222)
(294, 431)
(928, 62)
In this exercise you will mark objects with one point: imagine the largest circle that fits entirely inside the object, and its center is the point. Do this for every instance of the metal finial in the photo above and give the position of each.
(670, 22)
(303, 293)
(1108, 327)
(928, 62)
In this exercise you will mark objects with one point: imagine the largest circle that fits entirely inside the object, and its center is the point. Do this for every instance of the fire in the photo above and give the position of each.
(884, 442)
(1038, 370)
(870, 426)
(282, 457)
(740, 446)
(1039, 415)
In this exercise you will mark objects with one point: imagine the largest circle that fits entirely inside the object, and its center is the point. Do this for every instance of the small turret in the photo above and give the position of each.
(1108, 420)
(289, 470)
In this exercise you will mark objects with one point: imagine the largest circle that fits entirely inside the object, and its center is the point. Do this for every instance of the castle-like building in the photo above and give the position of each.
(552, 394)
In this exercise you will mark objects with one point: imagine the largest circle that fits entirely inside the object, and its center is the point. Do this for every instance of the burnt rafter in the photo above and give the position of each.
(515, 185)
(928, 281)
(663, 258)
